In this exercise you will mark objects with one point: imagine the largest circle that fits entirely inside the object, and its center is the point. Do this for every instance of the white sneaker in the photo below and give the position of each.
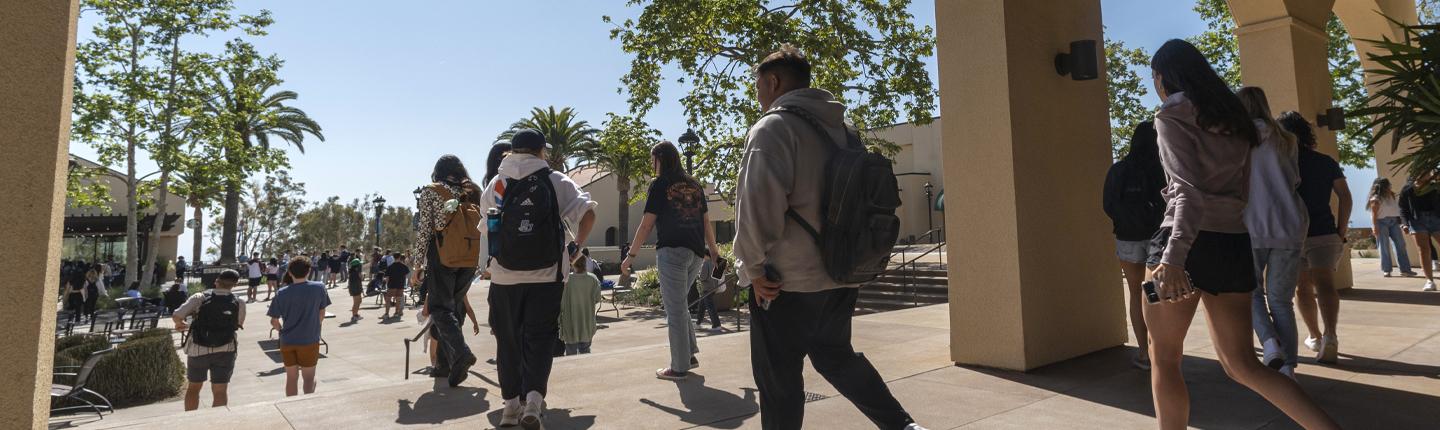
(1329, 350)
(914, 426)
(534, 410)
(1429, 286)
(1313, 344)
(510, 415)
(1387, 274)
(1289, 372)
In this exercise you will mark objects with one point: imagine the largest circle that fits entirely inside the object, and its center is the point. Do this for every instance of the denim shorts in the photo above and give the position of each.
(1132, 251)
(1425, 223)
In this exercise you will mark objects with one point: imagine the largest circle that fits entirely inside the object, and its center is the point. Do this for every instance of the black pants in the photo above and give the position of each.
(75, 302)
(526, 322)
(90, 304)
(815, 325)
(448, 287)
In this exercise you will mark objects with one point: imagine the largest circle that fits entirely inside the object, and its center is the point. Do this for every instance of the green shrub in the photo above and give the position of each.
(144, 369)
(646, 291)
(73, 350)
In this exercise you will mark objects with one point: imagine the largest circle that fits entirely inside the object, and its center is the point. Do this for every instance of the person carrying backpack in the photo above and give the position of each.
(447, 256)
(537, 208)
(804, 240)
(210, 350)
(1135, 206)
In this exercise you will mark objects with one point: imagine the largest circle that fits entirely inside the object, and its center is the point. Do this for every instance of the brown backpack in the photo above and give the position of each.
(459, 242)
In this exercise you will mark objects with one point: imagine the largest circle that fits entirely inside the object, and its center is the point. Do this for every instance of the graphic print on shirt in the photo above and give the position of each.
(687, 199)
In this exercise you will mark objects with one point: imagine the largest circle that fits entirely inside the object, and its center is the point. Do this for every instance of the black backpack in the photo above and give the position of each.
(530, 225)
(858, 226)
(216, 321)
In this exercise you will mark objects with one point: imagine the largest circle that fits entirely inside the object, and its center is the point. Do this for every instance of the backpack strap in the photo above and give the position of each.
(555, 211)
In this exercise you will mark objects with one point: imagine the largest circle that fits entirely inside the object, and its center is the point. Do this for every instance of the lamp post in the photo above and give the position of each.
(929, 210)
(689, 140)
(379, 210)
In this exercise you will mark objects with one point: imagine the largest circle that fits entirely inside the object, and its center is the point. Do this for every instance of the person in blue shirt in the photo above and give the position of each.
(297, 313)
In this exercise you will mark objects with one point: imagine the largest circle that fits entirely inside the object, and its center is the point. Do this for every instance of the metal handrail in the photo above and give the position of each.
(910, 285)
(930, 235)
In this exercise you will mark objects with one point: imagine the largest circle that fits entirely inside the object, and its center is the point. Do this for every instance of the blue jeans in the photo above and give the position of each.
(1389, 233)
(577, 348)
(1272, 304)
(679, 268)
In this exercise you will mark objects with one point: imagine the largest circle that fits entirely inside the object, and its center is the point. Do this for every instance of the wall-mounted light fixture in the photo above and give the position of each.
(1333, 119)
(1082, 63)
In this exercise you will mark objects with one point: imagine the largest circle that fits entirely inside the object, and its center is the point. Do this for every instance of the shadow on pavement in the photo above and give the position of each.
(442, 404)
(709, 406)
(1416, 297)
(554, 419)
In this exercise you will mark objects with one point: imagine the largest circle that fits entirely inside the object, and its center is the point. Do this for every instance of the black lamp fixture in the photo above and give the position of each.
(689, 140)
(1082, 63)
(1333, 119)
(379, 209)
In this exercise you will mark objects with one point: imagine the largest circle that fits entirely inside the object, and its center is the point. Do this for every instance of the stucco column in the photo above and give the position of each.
(1033, 275)
(1285, 53)
(37, 57)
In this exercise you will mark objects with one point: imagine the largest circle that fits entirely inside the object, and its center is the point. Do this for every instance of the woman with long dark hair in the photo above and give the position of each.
(1132, 201)
(439, 205)
(1320, 179)
(1420, 209)
(676, 208)
(1206, 137)
(1277, 221)
(498, 151)
(1385, 221)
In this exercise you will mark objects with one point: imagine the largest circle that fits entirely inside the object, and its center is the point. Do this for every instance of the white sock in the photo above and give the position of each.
(535, 397)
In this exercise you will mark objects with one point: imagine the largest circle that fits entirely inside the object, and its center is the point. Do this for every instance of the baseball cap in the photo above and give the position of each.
(528, 139)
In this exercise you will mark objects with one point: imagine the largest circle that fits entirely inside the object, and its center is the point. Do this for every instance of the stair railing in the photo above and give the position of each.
(911, 263)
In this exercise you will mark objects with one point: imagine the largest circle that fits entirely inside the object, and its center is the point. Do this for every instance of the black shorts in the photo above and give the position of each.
(217, 367)
(1217, 263)
(354, 287)
(254, 282)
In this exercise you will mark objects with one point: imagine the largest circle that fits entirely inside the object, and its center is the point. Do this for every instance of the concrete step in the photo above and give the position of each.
(921, 272)
(873, 305)
(921, 288)
(900, 278)
(924, 297)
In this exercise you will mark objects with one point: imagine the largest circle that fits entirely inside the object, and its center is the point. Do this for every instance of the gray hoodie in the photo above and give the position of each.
(1207, 174)
(1275, 214)
(784, 168)
(574, 203)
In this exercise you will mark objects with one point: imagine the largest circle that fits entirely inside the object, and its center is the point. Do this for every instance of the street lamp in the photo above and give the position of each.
(929, 209)
(379, 210)
(689, 140)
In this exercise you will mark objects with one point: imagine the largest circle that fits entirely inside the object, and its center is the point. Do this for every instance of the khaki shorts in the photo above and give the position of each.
(1322, 252)
(300, 355)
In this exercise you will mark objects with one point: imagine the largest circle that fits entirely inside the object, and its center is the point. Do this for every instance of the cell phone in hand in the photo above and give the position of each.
(1151, 296)
(774, 276)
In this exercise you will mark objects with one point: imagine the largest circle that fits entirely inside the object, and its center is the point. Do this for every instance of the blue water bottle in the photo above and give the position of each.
(492, 224)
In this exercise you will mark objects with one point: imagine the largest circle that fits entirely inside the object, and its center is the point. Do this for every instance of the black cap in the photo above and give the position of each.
(528, 138)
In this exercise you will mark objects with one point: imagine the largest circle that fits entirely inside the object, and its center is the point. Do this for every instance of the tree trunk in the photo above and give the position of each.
(231, 222)
(199, 231)
(132, 218)
(152, 246)
(622, 232)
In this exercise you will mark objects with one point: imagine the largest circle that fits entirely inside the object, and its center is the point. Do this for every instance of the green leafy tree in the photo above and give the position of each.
(1219, 44)
(253, 112)
(567, 134)
(136, 92)
(202, 185)
(83, 189)
(623, 150)
(1406, 103)
(869, 53)
(1127, 93)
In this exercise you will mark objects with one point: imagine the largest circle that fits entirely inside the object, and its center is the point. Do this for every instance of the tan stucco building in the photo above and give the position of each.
(98, 233)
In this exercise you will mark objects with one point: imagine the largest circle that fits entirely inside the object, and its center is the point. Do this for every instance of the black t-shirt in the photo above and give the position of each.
(1318, 173)
(397, 272)
(679, 209)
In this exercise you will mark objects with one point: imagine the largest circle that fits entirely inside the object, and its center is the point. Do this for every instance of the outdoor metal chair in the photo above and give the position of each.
(59, 393)
(64, 323)
(107, 320)
(145, 317)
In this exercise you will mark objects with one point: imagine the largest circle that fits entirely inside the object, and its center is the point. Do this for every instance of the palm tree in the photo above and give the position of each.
(567, 135)
(253, 114)
(623, 150)
(1405, 101)
(201, 187)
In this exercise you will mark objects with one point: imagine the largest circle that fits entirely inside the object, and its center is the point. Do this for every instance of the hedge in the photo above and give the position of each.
(144, 369)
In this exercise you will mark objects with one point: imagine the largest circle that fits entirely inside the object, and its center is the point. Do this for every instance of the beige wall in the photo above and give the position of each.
(917, 163)
(37, 57)
(1034, 281)
(115, 187)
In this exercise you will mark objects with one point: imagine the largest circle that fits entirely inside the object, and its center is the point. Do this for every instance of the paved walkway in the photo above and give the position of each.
(1388, 377)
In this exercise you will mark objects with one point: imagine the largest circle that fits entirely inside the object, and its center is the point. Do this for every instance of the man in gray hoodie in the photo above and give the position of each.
(796, 309)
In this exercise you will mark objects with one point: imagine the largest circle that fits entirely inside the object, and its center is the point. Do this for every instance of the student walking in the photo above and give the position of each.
(1385, 221)
(1277, 221)
(181, 268)
(272, 278)
(255, 272)
(1205, 141)
(357, 290)
(396, 276)
(210, 353)
(94, 289)
(1420, 209)
(1320, 177)
(577, 309)
(297, 313)
(1133, 202)
(797, 309)
(447, 253)
(536, 205)
(675, 208)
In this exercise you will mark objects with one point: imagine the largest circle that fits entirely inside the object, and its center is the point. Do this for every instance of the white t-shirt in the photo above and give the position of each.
(254, 269)
(1388, 207)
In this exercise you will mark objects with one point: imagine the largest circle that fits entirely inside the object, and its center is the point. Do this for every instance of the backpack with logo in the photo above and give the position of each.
(531, 231)
(858, 227)
(216, 321)
(458, 243)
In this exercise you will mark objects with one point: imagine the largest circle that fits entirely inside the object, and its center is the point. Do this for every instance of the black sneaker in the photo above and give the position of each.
(460, 370)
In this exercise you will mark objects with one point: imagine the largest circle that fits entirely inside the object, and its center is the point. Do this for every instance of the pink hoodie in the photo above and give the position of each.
(1208, 176)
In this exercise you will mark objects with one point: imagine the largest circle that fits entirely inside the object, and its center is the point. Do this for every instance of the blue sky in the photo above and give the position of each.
(396, 87)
